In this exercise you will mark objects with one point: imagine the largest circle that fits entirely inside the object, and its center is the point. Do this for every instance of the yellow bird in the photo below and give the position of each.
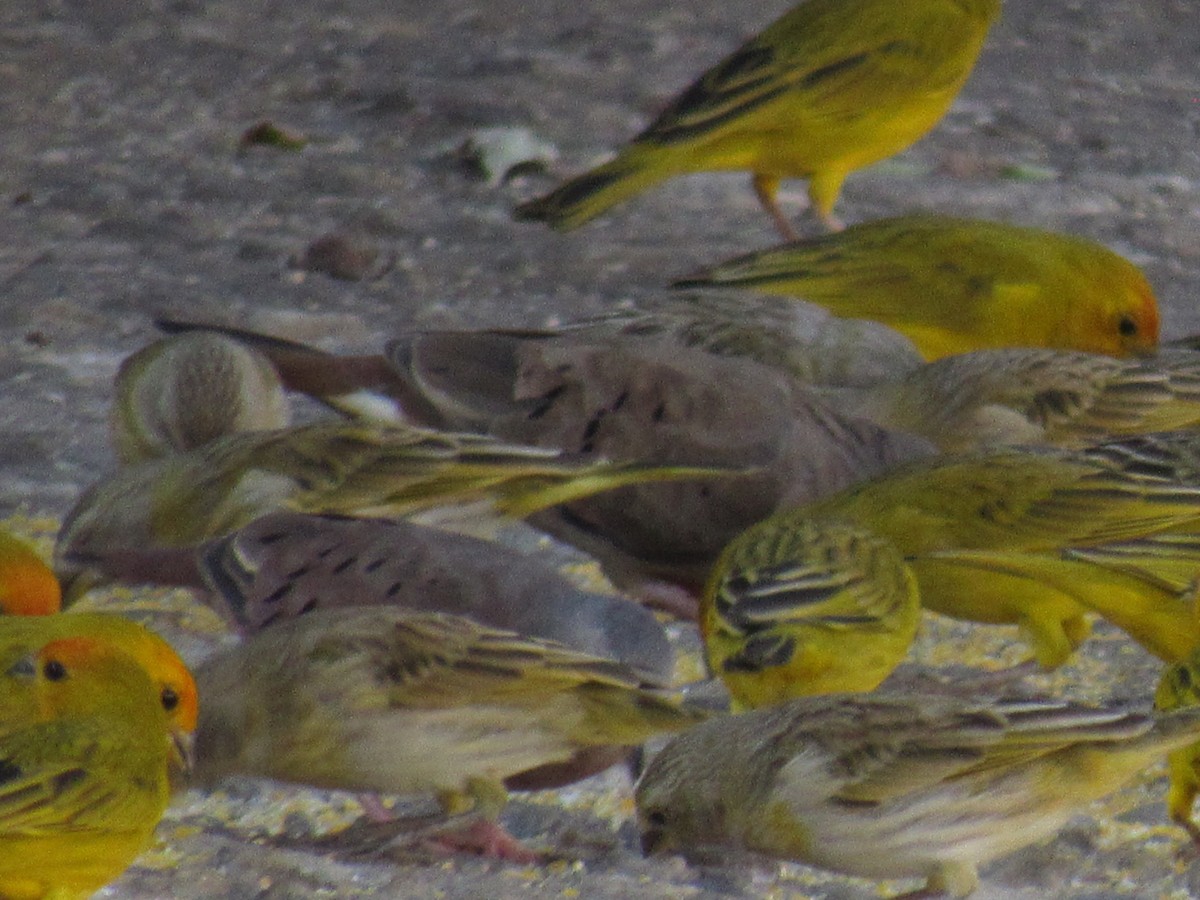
(895, 786)
(1036, 537)
(21, 634)
(828, 88)
(335, 467)
(84, 758)
(953, 285)
(1003, 536)
(817, 608)
(1180, 687)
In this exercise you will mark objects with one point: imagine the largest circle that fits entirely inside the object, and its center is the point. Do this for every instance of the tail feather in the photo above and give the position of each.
(583, 198)
(520, 498)
(617, 716)
(1176, 728)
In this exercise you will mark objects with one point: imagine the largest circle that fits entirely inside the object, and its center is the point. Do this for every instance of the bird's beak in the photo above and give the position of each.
(183, 754)
(652, 841)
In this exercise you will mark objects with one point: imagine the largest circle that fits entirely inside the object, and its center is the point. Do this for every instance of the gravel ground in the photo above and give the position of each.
(128, 193)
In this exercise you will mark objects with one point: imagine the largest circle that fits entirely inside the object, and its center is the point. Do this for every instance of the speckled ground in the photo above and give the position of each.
(125, 194)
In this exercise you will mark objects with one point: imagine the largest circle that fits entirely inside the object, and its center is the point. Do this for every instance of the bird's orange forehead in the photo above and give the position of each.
(76, 651)
(176, 685)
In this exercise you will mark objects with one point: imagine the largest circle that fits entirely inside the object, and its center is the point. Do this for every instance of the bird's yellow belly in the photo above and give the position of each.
(789, 144)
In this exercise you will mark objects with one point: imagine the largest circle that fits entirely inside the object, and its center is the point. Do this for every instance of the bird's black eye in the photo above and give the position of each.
(656, 818)
(1127, 327)
(53, 670)
(170, 699)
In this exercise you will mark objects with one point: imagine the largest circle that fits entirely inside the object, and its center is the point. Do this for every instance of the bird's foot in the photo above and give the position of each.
(484, 837)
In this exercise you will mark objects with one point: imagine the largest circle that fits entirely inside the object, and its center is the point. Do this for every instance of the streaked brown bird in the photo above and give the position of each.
(186, 498)
(1017, 395)
(895, 786)
(183, 391)
(390, 700)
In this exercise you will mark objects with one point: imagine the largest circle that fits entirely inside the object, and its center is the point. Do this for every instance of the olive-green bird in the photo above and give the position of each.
(828, 88)
(1005, 536)
(1178, 688)
(817, 608)
(954, 285)
(180, 392)
(186, 498)
(895, 785)
(389, 700)
(988, 398)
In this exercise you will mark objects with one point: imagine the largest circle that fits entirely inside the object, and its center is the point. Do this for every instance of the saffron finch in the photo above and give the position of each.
(1033, 396)
(176, 687)
(390, 700)
(821, 607)
(84, 760)
(28, 587)
(895, 786)
(953, 285)
(182, 391)
(186, 498)
(991, 536)
(828, 88)
(1178, 688)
